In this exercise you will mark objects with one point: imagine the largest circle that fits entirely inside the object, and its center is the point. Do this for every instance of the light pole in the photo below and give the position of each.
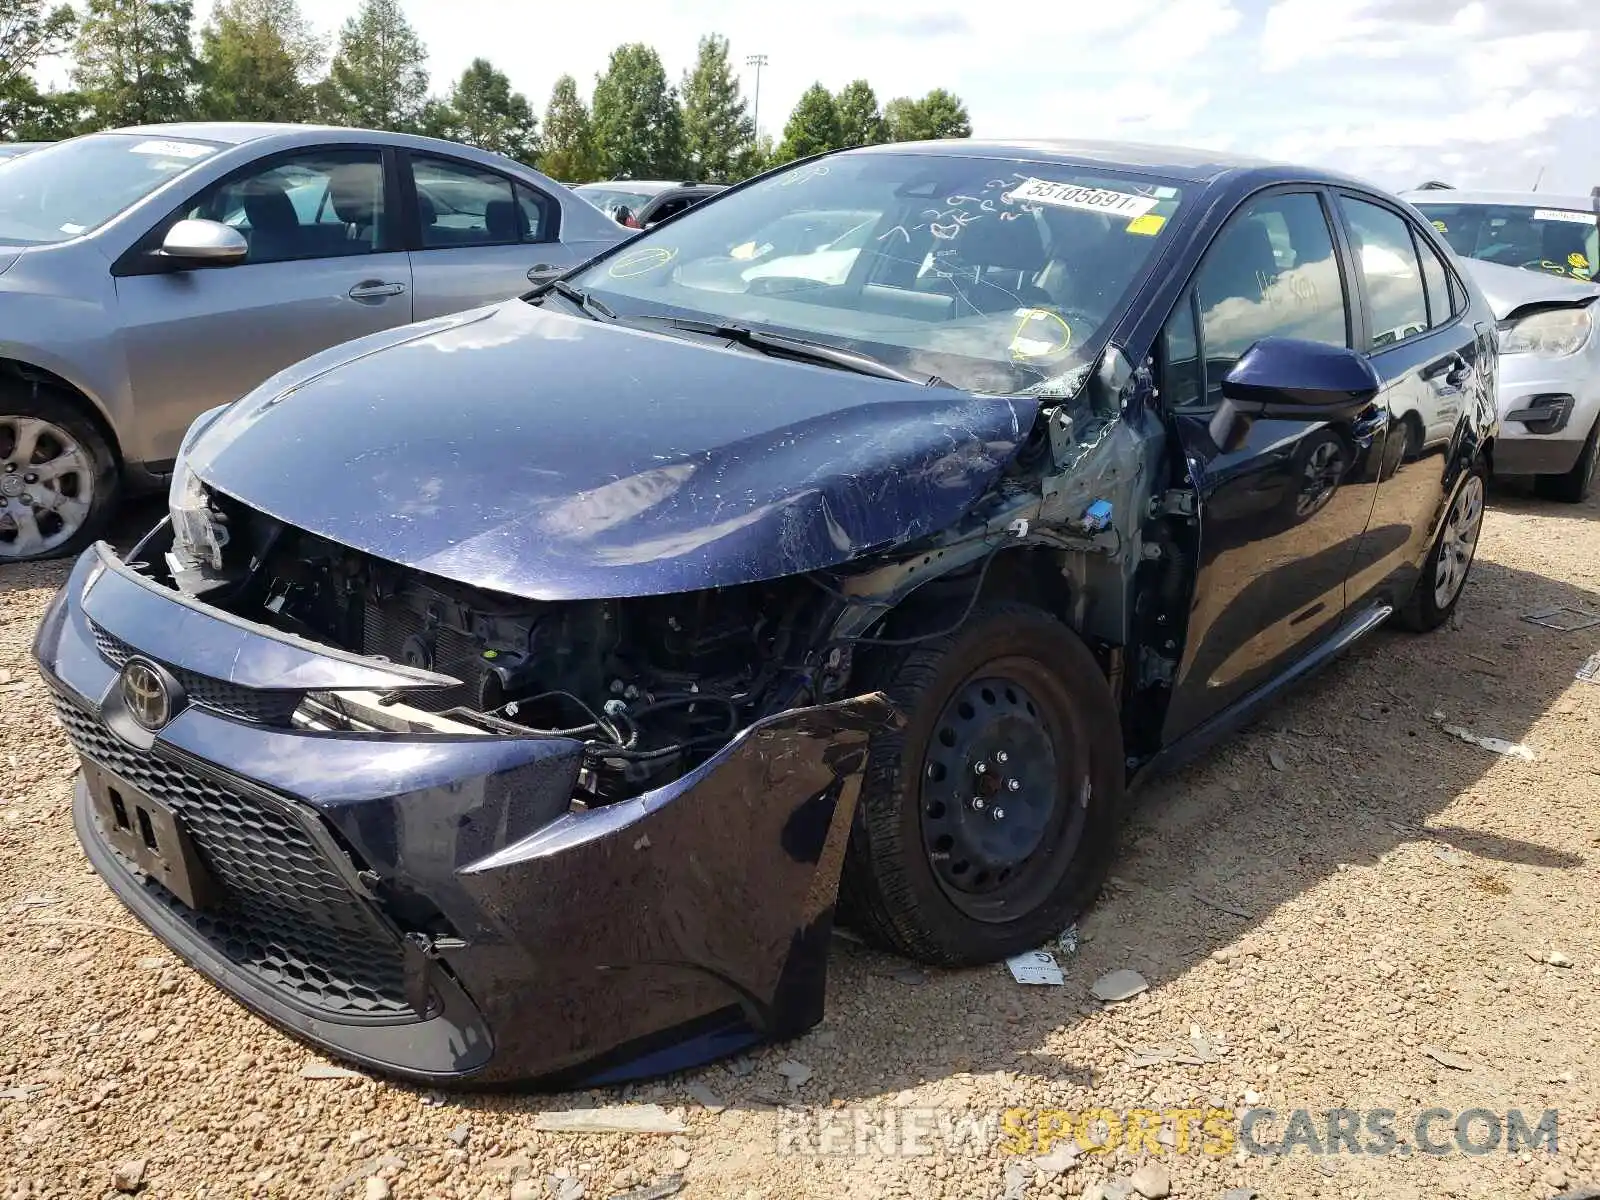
(757, 61)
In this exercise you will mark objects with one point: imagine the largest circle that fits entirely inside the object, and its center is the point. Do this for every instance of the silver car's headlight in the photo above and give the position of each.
(197, 535)
(1553, 333)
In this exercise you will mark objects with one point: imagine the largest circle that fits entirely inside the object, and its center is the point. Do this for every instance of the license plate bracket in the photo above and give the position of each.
(146, 831)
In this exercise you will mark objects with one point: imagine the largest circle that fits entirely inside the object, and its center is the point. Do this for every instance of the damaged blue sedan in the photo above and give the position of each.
(518, 696)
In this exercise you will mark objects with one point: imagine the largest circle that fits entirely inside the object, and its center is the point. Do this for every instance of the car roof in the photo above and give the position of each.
(1567, 201)
(1177, 162)
(231, 133)
(240, 133)
(645, 187)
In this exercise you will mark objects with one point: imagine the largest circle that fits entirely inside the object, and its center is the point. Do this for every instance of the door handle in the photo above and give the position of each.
(539, 272)
(1453, 370)
(376, 289)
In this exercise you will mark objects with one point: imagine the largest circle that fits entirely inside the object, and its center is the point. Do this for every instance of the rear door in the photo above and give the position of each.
(324, 267)
(478, 236)
(1281, 505)
(1430, 360)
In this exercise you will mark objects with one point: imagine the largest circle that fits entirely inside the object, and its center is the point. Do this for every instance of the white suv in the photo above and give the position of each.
(1536, 255)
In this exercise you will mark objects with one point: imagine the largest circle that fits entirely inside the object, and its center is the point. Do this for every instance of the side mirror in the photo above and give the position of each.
(204, 242)
(1289, 379)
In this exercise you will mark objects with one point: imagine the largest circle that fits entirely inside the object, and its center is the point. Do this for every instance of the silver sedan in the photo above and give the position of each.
(149, 274)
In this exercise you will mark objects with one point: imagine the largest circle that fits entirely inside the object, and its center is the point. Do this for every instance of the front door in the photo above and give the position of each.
(320, 271)
(1282, 504)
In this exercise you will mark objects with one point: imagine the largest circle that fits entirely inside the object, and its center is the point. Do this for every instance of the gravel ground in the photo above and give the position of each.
(1331, 892)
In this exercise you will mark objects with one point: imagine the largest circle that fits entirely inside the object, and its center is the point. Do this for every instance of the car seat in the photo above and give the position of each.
(274, 232)
(505, 221)
(990, 265)
(355, 191)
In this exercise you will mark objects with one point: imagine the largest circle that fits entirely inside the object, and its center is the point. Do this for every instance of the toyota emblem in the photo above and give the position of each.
(146, 695)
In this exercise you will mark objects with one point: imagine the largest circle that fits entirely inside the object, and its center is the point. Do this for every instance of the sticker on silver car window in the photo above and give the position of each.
(168, 149)
(1089, 199)
(1561, 214)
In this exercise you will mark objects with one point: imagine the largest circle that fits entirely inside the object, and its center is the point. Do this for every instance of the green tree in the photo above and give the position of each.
(813, 125)
(638, 123)
(756, 157)
(29, 115)
(134, 61)
(257, 58)
(483, 111)
(379, 76)
(717, 128)
(568, 136)
(939, 114)
(29, 31)
(860, 122)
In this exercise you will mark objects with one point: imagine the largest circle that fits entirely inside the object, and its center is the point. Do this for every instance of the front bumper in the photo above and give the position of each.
(430, 905)
(1547, 408)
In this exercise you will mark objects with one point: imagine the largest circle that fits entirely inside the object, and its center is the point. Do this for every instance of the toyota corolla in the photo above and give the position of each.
(518, 695)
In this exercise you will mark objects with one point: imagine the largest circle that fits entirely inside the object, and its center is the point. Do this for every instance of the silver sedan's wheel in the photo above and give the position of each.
(1458, 542)
(47, 486)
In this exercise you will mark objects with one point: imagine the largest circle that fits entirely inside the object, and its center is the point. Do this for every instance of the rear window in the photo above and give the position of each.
(1556, 240)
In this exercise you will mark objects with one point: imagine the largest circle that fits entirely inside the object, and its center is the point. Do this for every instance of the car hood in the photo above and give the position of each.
(555, 457)
(1511, 288)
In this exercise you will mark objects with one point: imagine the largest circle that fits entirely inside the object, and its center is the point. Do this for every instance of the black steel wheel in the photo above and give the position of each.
(986, 825)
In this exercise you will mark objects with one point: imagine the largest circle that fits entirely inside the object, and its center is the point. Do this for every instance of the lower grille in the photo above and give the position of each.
(265, 706)
(289, 919)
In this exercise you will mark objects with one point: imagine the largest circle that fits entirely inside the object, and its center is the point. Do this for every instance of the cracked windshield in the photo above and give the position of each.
(995, 276)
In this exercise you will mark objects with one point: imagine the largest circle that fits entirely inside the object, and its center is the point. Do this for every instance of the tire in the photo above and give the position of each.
(1436, 596)
(1047, 699)
(43, 517)
(1573, 487)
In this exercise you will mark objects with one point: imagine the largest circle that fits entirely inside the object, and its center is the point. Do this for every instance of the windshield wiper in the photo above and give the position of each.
(595, 308)
(781, 345)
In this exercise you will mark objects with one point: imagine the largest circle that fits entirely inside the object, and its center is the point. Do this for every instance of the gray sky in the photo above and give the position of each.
(1480, 93)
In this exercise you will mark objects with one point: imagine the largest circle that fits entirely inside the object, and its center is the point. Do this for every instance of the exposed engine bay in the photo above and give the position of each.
(652, 685)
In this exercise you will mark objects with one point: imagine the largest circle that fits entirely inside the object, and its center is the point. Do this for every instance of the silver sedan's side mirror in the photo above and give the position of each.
(205, 241)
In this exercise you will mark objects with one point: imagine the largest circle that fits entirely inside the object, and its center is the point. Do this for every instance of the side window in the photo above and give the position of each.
(670, 208)
(321, 204)
(462, 205)
(538, 214)
(1180, 358)
(1395, 289)
(1271, 272)
(1436, 277)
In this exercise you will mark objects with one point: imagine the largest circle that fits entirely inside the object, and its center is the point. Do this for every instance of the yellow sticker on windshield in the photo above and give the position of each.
(641, 261)
(1577, 260)
(743, 250)
(1441, 227)
(1150, 224)
(1040, 334)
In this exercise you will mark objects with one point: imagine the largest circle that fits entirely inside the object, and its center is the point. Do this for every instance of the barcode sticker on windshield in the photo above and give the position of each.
(1562, 214)
(1090, 199)
(172, 149)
